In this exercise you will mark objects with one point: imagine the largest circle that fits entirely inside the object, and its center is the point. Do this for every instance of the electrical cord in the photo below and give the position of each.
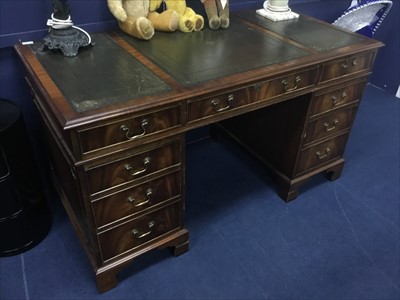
(61, 24)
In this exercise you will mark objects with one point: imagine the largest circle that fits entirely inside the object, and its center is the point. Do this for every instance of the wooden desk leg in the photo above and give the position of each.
(180, 249)
(106, 281)
(335, 172)
(179, 245)
(288, 191)
(106, 276)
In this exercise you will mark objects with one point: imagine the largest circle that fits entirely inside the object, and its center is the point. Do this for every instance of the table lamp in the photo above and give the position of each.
(62, 34)
(277, 10)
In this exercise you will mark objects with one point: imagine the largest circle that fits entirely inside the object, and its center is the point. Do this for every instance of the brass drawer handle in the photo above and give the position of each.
(349, 61)
(129, 168)
(286, 84)
(339, 100)
(126, 129)
(132, 200)
(330, 127)
(139, 235)
(324, 155)
(215, 103)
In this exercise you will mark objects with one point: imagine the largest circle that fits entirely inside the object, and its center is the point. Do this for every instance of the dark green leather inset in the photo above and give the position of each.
(303, 31)
(196, 57)
(100, 75)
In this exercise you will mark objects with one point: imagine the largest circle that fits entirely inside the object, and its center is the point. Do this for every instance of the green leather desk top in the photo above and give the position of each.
(107, 74)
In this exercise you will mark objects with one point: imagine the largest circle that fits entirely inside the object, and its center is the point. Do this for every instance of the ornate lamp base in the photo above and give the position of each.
(68, 40)
(277, 15)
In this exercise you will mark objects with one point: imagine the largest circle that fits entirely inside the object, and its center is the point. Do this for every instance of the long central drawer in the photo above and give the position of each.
(200, 109)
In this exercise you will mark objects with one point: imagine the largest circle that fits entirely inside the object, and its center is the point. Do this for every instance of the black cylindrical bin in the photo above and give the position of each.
(24, 216)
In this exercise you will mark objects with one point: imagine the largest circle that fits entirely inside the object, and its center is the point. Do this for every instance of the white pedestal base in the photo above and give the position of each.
(277, 16)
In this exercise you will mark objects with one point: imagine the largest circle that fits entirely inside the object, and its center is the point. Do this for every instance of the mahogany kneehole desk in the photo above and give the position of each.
(116, 115)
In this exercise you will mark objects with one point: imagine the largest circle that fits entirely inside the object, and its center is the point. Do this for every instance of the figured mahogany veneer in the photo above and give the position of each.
(347, 66)
(264, 91)
(129, 129)
(328, 99)
(107, 175)
(136, 199)
(139, 231)
(115, 118)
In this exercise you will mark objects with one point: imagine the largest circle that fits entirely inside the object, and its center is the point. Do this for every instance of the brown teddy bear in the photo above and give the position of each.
(189, 21)
(217, 13)
(135, 18)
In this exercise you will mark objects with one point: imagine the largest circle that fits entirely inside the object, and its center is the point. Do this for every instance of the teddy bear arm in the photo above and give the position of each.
(117, 10)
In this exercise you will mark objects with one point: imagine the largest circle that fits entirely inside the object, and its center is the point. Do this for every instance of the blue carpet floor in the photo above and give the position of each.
(337, 240)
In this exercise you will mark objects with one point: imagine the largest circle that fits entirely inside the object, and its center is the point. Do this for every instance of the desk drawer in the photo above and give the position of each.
(321, 154)
(136, 232)
(337, 98)
(136, 199)
(286, 84)
(260, 91)
(219, 104)
(131, 168)
(329, 124)
(346, 66)
(133, 128)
